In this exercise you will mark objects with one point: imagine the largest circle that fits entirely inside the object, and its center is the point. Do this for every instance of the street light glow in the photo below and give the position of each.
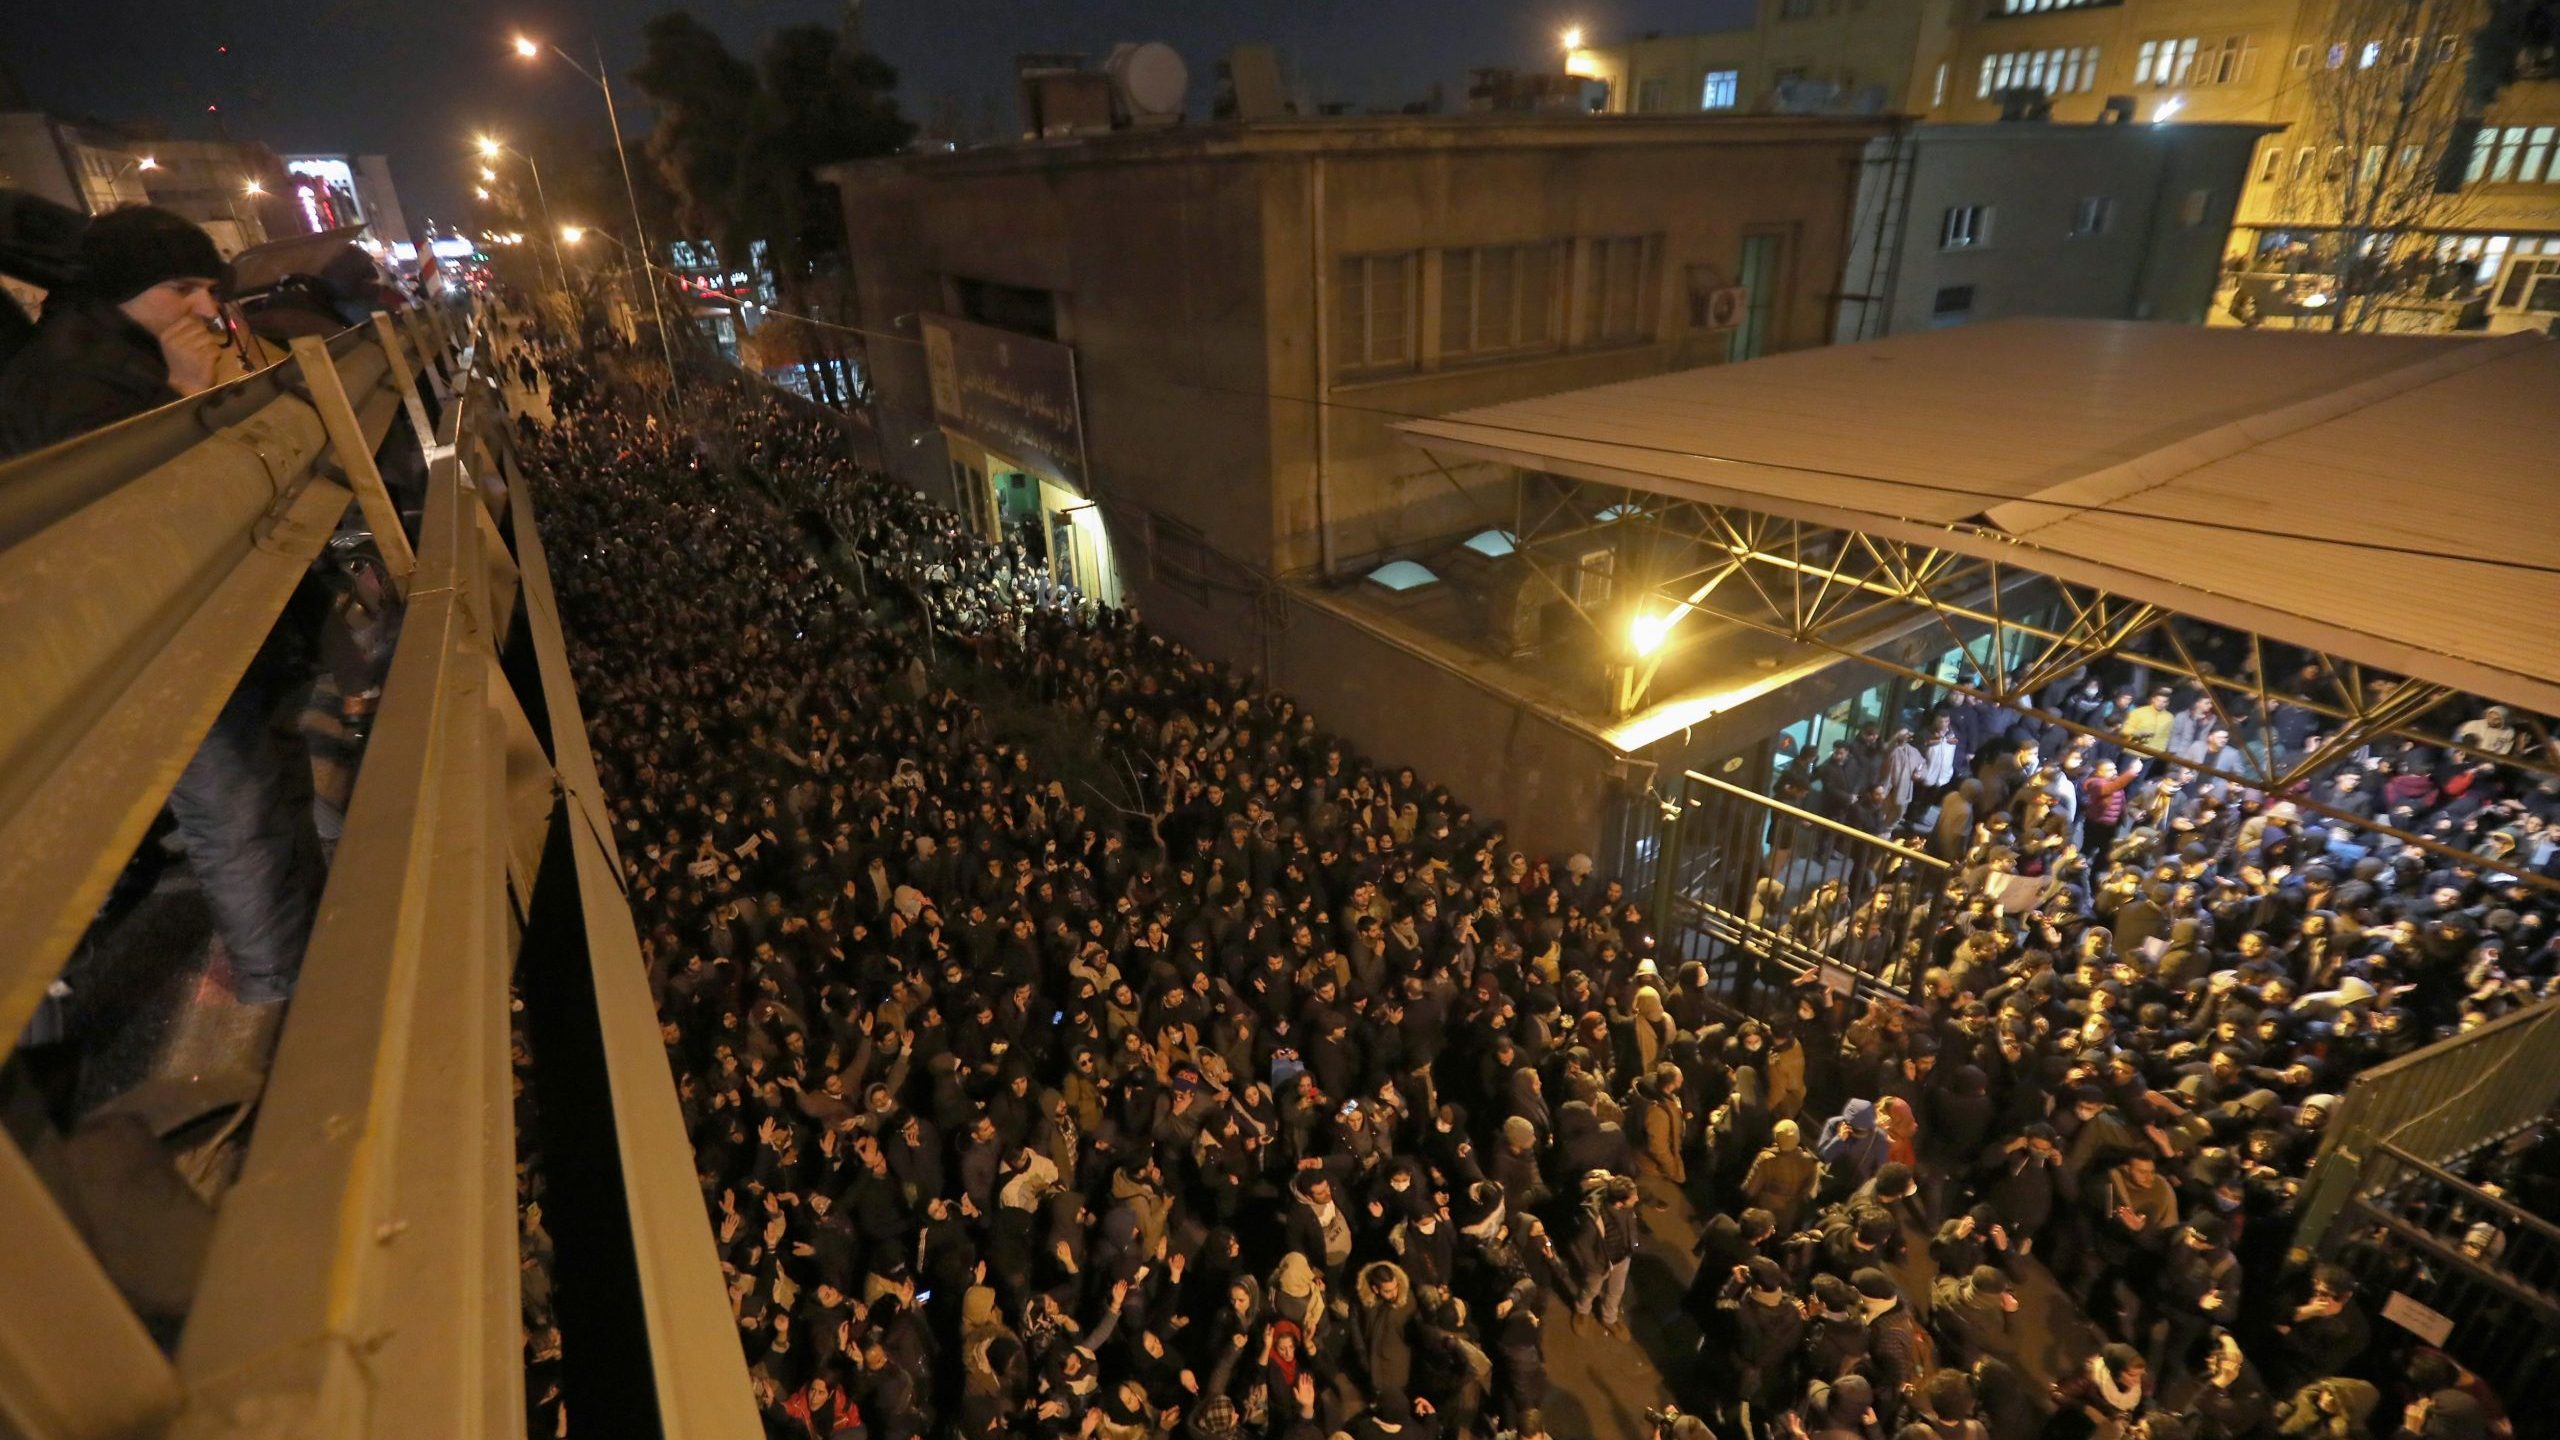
(488, 174)
(526, 48)
(489, 147)
(1649, 631)
(573, 233)
(147, 163)
(480, 190)
(252, 187)
(1572, 37)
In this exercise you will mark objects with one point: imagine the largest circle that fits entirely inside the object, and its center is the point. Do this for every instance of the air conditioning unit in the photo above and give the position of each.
(1725, 306)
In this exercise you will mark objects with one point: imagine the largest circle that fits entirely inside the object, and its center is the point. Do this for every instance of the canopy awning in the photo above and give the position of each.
(2386, 499)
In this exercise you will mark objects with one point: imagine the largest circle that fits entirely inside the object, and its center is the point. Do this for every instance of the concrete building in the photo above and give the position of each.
(1964, 223)
(2308, 67)
(329, 191)
(1170, 359)
(1874, 56)
(209, 182)
(88, 169)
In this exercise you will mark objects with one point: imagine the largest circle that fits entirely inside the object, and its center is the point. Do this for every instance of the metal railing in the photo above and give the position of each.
(363, 1273)
(2483, 1273)
(1775, 888)
(2438, 1104)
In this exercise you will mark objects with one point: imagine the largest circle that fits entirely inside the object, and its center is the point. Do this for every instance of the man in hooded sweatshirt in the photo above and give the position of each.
(1851, 1148)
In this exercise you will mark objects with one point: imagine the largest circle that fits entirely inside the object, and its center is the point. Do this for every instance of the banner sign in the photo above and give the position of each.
(1014, 394)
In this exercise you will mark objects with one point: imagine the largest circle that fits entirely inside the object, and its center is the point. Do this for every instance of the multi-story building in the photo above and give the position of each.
(332, 191)
(2298, 65)
(85, 168)
(1170, 360)
(239, 192)
(1964, 223)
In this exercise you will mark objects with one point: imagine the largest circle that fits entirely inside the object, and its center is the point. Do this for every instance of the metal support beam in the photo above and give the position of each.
(355, 459)
(74, 1362)
(395, 350)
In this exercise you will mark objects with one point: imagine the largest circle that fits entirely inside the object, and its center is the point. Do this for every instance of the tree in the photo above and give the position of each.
(703, 140)
(822, 103)
(2384, 113)
(741, 146)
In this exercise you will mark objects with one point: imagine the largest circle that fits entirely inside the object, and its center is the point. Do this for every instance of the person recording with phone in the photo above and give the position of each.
(139, 326)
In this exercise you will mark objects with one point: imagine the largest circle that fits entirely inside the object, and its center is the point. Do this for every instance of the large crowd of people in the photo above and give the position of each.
(1217, 1080)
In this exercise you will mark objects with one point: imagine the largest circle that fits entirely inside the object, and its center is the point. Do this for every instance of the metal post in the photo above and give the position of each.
(408, 382)
(549, 230)
(666, 347)
(73, 1359)
(346, 437)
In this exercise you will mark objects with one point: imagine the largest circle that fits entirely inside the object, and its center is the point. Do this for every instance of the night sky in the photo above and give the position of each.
(414, 79)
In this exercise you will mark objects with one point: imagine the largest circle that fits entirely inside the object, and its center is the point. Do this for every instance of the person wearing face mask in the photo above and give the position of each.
(137, 327)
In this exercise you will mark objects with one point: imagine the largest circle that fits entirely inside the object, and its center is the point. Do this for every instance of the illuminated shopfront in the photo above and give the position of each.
(1011, 416)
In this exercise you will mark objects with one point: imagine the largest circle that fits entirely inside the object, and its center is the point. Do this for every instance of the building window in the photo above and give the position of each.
(1373, 313)
(2301, 57)
(1496, 300)
(2193, 212)
(1596, 577)
(1722, 91)
(1761, 273)
(2033, 7)
(1653, 95)
(1966, 227)
(1619, 298)
(2369, 55)
(2271, 164)
(2092, 216)
(2201, 61)
(2514, 154)
(2303, 162)
(2066, 70)
(1952, 300)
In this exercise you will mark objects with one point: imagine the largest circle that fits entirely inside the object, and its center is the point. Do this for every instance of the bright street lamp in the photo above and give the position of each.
(252, 187)
(147, 163)
(573, 233)
(480, 190)
(1572, 37)
(488, 174)
(602, 79)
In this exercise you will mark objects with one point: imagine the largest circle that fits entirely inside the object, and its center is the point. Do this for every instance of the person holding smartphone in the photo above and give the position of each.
(138, 326)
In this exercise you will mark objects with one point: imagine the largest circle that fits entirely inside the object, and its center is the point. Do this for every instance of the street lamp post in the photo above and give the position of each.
(491, 149)
(602, 79)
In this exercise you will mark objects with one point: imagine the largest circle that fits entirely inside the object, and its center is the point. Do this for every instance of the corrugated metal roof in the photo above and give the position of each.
(2389, 499)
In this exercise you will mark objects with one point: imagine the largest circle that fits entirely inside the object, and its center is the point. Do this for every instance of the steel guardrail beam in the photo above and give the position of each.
(362, 1279)
(700, 1370)
(135, 599)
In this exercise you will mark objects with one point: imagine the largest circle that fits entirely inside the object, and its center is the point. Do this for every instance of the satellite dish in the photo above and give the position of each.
(1152, 78)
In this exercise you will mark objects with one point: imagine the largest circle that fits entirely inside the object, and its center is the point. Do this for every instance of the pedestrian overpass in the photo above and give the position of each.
(361, 1274)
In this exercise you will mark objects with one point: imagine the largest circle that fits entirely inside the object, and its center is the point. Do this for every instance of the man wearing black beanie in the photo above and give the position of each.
(135, 329)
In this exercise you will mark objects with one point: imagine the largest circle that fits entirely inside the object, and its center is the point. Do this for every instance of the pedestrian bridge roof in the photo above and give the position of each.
(2391, 500)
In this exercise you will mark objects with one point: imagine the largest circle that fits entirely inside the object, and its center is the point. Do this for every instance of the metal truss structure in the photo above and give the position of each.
(1829, 588)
